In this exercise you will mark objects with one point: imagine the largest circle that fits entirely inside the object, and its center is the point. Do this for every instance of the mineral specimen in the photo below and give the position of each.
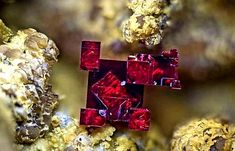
(148, 21)
(27, 101)
(204, 135)
(117, 97)
(109, 96)
(25, 64)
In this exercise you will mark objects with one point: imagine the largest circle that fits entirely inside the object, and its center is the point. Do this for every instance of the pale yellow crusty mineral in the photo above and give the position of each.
(204, 135)
(67, 135)
(25, 64)
(149, 19)
(5, 32)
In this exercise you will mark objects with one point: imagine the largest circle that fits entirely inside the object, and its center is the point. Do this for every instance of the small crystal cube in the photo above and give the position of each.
(146, 69)
(139, 119)
(90, 55)
(92, 117)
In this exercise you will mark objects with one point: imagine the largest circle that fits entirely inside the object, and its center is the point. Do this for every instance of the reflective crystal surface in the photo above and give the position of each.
(147, 69)
(92, 117)
(106, 90)
(90, 55)
(139, 119)
(115, 88)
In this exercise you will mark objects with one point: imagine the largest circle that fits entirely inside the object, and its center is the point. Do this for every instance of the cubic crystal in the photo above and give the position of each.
(138, 72)
(107, 91)
(90, 55)
(139, 119)
(148, 69)
(92, 117)
(110, 86)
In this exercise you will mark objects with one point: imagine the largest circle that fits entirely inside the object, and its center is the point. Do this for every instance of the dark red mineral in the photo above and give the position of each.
(93, 117)
(139, 119)
(115, 88)
(90, 55)
(148, 69)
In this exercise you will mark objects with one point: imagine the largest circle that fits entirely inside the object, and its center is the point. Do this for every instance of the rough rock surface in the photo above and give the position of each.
(25, 64)
(204, 135)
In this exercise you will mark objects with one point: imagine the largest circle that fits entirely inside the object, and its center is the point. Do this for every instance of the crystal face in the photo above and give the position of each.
(138, 72)
(93, 117)
(110, 86)
(90, 55)
(148, 69)
(107, 91)
(139, 119)
(115, 88)
(114, 96)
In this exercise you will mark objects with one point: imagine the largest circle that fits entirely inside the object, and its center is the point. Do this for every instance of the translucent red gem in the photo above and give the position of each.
(107, 90)
(148, 69)
(139, 119)
(109, 86)
(90, 55)
(113, 95)
(93, 117)
(115, 88)
(138, 72)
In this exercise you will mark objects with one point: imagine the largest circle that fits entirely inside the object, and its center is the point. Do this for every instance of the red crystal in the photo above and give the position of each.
(139, 119)
(92, 117)
(173, 53)
(114, 96)
(109, 86)
(115, 88)
(134, 74)
(148, 69)
(117, 108)
(90, 55)
(109, 82)
(106, 91)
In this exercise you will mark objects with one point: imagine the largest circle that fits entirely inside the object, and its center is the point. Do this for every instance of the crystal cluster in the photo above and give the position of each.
(115, 88)
(34, 115)
(25, 64)
(154, 70)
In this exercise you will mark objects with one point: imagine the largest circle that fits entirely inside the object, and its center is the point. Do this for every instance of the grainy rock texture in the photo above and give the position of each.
(67, 135)
(25, 64)
(148, 21)
(204, 135)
